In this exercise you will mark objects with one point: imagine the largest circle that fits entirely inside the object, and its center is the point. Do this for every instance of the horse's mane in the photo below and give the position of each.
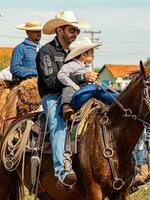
(130, 98)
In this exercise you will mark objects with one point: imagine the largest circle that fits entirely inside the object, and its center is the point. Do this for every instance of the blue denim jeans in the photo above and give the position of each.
(56, 125)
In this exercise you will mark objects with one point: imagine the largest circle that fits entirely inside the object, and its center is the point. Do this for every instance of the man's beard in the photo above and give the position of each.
(69, 40)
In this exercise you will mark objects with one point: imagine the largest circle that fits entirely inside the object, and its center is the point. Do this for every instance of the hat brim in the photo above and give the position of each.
(76, 52)
(51, 25)
(24, 27)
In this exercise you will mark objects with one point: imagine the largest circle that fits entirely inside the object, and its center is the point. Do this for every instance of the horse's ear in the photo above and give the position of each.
(142, 69)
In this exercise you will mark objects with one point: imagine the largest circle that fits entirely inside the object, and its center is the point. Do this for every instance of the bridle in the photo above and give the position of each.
(129, 112)
(146, 96)
(108, 152)
(146, 99)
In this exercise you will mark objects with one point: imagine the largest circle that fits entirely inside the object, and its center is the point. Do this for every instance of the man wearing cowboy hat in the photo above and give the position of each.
(23, 64)
(50, 59)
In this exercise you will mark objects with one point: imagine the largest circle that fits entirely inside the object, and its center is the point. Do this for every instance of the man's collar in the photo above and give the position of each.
(28, 42)
(57, 43)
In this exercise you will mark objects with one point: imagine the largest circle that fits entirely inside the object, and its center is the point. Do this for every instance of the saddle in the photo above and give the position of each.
(35, 137)
(76, 129)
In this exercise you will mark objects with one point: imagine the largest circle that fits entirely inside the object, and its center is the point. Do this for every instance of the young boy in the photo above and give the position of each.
(78, 62)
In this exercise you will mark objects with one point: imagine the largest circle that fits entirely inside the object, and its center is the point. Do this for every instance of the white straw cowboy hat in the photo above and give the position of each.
(79, 46)
(30, 26)
(61, 19)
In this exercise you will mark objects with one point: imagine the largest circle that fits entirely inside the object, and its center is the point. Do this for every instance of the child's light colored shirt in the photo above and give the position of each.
(73, 67)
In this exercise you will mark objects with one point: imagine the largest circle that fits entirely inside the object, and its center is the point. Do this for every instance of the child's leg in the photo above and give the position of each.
(66, 103)
(107, 97)
(67, 95)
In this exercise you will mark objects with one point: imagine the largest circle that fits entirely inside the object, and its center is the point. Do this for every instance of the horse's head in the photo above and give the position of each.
(131, 114)
(135, 99)
(141, 88)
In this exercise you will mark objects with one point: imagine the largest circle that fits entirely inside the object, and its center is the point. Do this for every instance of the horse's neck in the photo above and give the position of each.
(127, 131)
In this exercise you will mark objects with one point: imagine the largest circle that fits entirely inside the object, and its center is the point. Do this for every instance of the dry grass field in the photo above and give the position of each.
(27, 197)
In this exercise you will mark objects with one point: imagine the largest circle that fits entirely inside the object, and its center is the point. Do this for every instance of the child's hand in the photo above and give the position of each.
(76, 87)
(90, 76)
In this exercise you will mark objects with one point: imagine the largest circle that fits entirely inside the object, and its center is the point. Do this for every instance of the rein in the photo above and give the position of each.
(3, 119)
(129, 112)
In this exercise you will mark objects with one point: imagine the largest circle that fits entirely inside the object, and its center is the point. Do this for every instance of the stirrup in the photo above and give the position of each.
(68, 183)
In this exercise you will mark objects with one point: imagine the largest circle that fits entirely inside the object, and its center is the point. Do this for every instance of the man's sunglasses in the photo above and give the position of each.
(72, 30)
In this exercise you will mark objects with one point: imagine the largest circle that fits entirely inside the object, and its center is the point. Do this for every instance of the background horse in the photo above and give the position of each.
(104, 164)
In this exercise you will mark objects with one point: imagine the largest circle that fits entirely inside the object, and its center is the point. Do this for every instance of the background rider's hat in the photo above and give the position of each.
(31, 26)
(79, 46)
(61, 19)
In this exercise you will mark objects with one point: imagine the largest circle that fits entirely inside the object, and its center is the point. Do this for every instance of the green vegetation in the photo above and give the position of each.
(97, 69)
(27, 196)
(147, 63)
(142, 194)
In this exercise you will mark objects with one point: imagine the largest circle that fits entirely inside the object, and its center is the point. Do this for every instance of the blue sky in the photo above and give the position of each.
(124, 25)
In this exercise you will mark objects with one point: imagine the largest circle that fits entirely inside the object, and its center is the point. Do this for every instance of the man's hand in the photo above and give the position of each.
(90, 76)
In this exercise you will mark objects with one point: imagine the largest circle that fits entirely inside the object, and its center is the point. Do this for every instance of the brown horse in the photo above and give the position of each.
(104, 163)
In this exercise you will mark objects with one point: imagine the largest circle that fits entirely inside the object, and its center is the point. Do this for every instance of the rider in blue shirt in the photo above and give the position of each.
(23, 64)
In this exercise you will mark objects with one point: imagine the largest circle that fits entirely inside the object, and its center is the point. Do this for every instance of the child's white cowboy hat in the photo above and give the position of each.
(79, 46)
(61, 19)
(31, 26)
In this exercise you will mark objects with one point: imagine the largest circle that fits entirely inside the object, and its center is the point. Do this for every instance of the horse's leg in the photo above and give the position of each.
(48, 181)
(54, 189)
(8, 181)
(94, 192)
(15, 191)
(123, 195)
